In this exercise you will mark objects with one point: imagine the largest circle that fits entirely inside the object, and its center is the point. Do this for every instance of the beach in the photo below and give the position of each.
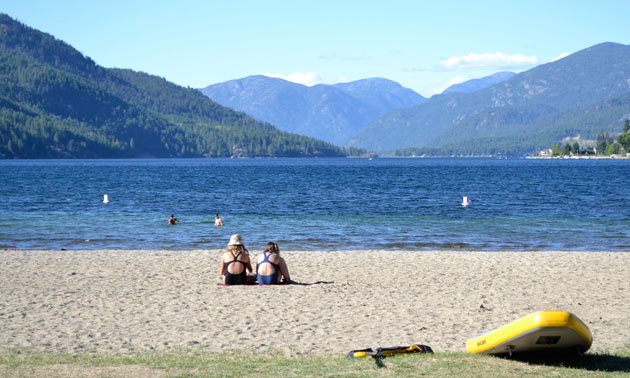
(123, 302)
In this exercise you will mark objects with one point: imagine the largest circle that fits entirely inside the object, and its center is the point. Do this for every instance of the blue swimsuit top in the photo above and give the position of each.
(267, 280)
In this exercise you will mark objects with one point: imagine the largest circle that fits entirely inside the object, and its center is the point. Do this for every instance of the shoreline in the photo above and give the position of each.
(579, 157)
(122, 302)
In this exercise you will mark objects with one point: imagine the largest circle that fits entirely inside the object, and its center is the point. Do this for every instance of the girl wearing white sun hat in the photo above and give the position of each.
(235, 263)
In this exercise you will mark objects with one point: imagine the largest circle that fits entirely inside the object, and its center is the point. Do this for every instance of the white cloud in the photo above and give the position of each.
(563, 55)
(440, 88)
(341, 79)
(456, 80)
(305, 78)
(308, 78)
(489, 60)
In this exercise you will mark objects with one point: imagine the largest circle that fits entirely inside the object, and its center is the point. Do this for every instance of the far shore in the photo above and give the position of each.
(121, 302)
(580, 157)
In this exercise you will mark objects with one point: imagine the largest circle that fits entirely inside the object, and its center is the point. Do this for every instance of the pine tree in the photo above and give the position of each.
(575, 148)
(602, 142)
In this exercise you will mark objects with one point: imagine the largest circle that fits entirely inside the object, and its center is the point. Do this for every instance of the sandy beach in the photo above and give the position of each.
(124, 302)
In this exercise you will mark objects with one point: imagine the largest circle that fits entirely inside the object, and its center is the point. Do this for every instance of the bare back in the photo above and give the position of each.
(270, 268)
(235, 262)
(266, 268)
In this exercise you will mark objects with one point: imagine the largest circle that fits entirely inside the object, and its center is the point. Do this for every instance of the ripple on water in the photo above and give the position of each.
(317, 204)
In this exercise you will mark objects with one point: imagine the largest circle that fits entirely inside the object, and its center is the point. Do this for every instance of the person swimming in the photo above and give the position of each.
(172, 220)
(218, 222)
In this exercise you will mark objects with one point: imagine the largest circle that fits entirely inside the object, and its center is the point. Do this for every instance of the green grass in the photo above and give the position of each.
(32, 363)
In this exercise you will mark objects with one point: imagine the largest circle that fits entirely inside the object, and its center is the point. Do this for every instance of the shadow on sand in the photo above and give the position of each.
(311, 283)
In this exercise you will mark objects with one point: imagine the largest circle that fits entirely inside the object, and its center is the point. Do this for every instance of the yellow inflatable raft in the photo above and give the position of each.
(544, 330)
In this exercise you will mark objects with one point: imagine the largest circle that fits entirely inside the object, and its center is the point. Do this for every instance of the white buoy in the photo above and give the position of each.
(106, 199)
(465, 201)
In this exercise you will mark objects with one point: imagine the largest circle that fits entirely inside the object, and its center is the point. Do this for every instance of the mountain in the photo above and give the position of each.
(529, 110)
(476, 84)
(55, 102)
(583, 123)
(381, 94)
(329, 112)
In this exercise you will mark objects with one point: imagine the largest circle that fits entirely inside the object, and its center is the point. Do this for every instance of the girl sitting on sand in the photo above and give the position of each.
(235, 263)
(271, 266)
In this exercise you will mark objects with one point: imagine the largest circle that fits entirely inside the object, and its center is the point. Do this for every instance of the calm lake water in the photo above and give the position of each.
(317, 204)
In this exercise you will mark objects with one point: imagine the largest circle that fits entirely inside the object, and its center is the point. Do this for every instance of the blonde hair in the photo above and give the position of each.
(237, 248)
(272, 247)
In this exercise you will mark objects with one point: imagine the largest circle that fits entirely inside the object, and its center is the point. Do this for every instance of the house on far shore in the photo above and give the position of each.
(545, 153)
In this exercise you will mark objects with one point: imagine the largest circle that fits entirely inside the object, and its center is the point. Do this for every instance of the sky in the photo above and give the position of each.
(423, 45)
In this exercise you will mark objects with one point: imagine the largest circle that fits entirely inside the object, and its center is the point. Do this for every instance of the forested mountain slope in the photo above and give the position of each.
(517, 114)
(474, 85)
(54, 102)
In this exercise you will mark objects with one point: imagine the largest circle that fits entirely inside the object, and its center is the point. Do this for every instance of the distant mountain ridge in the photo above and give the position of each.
(381, 94)
(474, 85)
(329, 112)
(56, 103)
(532, 110)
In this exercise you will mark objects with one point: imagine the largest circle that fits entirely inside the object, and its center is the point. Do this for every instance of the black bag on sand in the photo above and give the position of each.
(384, 352)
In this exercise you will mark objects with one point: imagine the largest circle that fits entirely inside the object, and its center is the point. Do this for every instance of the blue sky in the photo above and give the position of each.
(423, 45)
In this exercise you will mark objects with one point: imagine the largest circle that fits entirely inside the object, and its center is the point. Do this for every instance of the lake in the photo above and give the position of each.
(317, 204)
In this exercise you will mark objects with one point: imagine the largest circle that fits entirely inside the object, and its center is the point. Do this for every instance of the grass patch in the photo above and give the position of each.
(186, 363)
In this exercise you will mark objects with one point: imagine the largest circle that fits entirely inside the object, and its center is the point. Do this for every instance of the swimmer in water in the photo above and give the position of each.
(218, 222)
(172, 220)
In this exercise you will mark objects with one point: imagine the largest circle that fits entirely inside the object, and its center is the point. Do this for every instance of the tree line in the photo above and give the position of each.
(605, 145)
(56, 103)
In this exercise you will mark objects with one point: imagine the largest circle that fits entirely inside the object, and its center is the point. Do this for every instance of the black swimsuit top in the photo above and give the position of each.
(235, 279)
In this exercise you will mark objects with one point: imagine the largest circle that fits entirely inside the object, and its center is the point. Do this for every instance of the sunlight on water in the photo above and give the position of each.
(317, 204)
